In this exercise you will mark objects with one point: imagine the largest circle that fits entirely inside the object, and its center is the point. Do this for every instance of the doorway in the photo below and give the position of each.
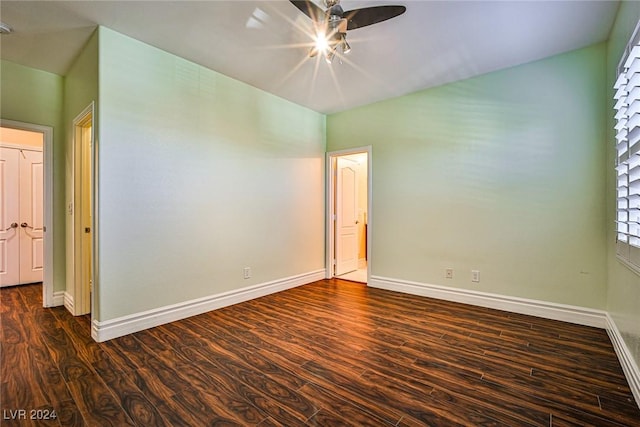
(349, 214)
(26, 217)
(78, 301)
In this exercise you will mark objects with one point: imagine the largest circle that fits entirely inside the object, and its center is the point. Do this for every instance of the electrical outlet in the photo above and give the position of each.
(247, 272)
(448, 273)
(475, 276)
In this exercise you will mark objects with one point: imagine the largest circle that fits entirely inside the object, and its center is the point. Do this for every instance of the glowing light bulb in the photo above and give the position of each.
(321, 42)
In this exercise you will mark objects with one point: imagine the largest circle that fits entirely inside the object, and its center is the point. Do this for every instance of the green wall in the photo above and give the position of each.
(503, 173)
(200, 175)
(623, 284)
(34, 96)
(80, 90)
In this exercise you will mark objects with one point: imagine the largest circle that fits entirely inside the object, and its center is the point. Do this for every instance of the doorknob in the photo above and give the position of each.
(13, 225)
(25, 225)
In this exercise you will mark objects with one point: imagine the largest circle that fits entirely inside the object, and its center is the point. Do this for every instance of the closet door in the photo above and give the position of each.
(31, 216)
(21, 216)
(9, 217)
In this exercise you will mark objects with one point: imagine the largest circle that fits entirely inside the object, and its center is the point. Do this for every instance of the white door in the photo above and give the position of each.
(31, 216)
(346, 217)
(22, 219)
(9, 217)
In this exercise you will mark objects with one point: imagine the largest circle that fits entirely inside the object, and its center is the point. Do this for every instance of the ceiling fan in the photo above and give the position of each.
(333, 23)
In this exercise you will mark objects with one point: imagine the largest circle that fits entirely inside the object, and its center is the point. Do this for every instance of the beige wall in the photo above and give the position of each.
(21, 137)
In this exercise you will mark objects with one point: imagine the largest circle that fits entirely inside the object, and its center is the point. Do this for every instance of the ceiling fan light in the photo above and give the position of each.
(346, 48)
(329, 56)
(5, 29)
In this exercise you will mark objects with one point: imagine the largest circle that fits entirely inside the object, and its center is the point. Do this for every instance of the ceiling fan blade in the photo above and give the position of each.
(309, 8)
(359, 18)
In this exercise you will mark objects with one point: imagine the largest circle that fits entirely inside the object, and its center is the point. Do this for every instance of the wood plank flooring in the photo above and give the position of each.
(331, 353)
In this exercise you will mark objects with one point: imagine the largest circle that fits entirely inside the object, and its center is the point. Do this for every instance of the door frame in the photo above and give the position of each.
(81, 296)
(331, 169)
(48, 299)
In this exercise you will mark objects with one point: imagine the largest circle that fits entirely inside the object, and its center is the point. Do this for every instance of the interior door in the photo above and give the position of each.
(346, 217)
(31, 216)
(85, 204)
(9, 217)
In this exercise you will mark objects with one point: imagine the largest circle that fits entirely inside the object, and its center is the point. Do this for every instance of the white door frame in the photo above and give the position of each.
(82, 301)
(331, 161)
(47, 149)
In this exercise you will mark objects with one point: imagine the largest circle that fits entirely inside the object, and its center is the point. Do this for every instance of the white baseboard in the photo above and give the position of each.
(109, 329)
(68, 301)
(548, 310)
(629, 365)
(58, 299)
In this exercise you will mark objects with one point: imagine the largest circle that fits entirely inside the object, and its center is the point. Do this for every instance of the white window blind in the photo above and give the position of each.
(627, 128)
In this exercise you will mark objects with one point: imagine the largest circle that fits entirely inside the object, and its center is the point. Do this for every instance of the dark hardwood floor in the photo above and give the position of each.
(331, 353)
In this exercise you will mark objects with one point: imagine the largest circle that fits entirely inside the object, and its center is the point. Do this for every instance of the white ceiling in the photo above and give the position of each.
(261, 42)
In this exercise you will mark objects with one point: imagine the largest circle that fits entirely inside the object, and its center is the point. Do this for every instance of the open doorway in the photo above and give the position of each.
(26, 217)
(78, 298)
(349, 214)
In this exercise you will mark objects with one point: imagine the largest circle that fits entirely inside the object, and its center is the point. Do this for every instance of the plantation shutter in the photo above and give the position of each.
(627, 107)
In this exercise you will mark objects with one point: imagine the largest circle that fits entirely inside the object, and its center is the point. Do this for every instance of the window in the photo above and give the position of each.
(627, 117)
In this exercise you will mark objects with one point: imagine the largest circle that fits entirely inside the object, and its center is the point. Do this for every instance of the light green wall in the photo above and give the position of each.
(623, 284)
(200, 175)
(34, 96)
(81, 88)
(502, 173)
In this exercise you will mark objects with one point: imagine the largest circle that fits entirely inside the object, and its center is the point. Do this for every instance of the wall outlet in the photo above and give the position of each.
(475, 276)
(247, 272)
(448, 273)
